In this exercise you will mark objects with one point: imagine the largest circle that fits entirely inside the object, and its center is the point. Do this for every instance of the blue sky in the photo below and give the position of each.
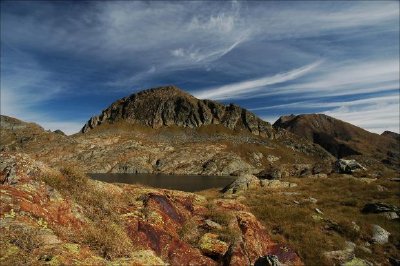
(63, 62)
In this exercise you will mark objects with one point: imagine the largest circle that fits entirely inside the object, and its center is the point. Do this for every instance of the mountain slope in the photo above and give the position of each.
(166, 130)
(341, 139)
(167, 106)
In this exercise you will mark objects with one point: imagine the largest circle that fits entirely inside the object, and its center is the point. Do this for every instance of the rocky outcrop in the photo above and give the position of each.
(246, 182)
(170, 106)
(242, 183)
(348, 166)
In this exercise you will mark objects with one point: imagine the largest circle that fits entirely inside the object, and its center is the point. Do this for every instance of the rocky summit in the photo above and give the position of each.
(167, 106)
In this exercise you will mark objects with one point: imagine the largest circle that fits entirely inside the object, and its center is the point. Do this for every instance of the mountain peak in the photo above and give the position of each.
(169, 105)
(166, 91)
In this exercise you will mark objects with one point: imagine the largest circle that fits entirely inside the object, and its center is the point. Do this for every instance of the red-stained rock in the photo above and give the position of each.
(168, 247)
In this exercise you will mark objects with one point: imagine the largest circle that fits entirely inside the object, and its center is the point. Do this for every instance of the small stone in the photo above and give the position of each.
(318, 211)
(268, 260)
(356, 227)
(212, 225)
(381, 188)
(311, 199)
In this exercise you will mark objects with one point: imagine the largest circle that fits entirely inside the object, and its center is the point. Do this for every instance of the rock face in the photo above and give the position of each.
(342, 139)
(168, 106)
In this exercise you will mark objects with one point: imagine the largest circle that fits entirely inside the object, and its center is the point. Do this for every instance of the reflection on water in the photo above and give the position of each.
(189, 183)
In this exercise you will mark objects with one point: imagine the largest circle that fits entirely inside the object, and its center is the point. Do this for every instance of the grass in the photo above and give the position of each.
(341, 200)
(105, 233)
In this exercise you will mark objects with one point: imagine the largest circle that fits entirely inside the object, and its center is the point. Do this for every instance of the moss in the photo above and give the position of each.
(211, 245)
(54, 261)
(356, 262)
(74, 248)
(10, 214)
(9, 251)
(42, 223)
(154, 218)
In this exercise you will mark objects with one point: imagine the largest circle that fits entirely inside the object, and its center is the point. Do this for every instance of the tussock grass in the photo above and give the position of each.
(341, 201)
(105, 233)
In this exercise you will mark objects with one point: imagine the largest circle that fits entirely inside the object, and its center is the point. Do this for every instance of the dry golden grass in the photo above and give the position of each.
(341, 200)
(105, 233)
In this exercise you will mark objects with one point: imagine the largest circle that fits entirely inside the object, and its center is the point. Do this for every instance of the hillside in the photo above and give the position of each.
(342, 139)
(166, 130)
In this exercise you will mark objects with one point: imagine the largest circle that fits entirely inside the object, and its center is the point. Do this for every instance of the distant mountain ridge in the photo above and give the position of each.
(169, 105)
(342, 139)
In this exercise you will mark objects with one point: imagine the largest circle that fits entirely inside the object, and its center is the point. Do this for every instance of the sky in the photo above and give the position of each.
(63, 62)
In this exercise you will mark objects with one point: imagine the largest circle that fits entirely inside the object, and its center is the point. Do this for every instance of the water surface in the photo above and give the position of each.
(188, 183)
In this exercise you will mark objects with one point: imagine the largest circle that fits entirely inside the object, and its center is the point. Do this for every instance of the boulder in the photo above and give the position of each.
(390, 215)
(342, 256)
(379, 207)
(343, 166)
(242, 183)
(379, 235)
(270, 173)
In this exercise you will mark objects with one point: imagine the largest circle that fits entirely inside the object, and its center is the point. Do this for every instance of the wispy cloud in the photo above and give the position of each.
(392, 99)
(25, 85)
(245, 88)
(375, 116)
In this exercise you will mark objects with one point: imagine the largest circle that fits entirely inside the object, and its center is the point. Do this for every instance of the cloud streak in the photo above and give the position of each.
(245, 88)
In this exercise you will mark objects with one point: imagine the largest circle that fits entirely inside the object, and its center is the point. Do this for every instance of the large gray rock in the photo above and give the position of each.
(241, 184)
(379, 235)
(348, 166)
